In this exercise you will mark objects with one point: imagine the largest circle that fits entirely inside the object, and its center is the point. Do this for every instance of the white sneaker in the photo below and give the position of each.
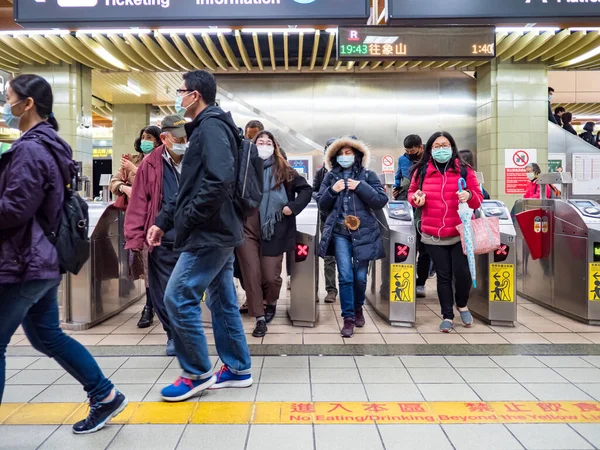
(421, 292)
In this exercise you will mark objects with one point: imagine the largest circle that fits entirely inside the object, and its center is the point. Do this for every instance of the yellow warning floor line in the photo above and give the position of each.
(311, 413)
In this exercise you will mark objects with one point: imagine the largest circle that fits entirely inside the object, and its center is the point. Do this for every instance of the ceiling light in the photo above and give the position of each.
(585, 56)
(134, 88)
(278, 30)
(116, 31)
(584, 29)
(193, 30)
(526, 29)
(32, 32)
(331, 30)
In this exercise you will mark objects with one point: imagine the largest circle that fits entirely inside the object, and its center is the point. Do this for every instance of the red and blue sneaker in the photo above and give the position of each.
(185, 388)
(227, 379)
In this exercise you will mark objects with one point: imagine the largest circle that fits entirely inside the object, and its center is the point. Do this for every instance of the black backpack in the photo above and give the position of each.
(71, 238)
(249, 185)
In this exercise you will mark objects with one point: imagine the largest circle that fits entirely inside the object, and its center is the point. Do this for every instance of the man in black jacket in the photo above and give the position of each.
(330, 268)
(208, 228)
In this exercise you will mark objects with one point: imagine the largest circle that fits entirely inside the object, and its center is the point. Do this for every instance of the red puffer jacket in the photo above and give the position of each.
(440, 212)
(533, 190)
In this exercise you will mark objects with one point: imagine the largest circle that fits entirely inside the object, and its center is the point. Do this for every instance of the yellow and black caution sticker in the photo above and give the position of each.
(502, 283)
(312, 413)
(594, 282)
(402, 283)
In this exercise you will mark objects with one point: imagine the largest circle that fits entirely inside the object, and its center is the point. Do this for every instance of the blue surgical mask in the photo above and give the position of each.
(345, 161)
(11, 120)
(146, 146)
(442, 155)
(179, 108)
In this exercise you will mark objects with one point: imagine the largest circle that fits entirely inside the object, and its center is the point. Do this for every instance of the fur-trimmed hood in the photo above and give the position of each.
(346, 141)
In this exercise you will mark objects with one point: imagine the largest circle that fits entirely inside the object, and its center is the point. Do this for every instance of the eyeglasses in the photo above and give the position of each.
(183, 91)
(440, 147)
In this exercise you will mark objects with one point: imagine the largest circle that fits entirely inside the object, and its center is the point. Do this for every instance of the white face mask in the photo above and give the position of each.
(531, 176)
(179, 149)
(265, 151)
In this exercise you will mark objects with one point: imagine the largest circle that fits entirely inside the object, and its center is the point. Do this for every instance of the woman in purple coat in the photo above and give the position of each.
(31, 200)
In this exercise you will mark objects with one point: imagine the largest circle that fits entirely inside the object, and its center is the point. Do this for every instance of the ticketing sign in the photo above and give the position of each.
(396, 43)
(491, 11)
(134, 13)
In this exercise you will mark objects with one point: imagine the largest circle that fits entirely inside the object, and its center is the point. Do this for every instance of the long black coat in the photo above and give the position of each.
(299, 194)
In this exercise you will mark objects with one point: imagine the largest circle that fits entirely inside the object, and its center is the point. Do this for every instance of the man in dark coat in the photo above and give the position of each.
(330, 268)
(208, 228)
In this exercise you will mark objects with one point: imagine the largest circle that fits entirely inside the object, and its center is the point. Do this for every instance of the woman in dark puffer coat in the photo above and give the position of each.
(349, 195)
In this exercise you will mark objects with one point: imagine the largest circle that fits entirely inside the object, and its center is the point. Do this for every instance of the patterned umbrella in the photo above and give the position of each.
(466, 214)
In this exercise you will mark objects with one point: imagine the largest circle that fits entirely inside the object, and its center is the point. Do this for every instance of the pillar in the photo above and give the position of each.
(512, 113)
(128, 120)
(72, 90)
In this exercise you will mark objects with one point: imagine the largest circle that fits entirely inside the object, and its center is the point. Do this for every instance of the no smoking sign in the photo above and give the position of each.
(521, 158)
(515, 176)
(387, 164)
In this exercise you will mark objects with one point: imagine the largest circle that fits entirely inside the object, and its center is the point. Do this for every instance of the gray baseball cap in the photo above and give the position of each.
(175, 125)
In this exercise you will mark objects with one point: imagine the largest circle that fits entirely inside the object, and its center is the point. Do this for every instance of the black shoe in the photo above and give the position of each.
(260, 329)
(348, 329)
(359, 318)
(147, 317)
(270, 313)
(100, 414)
(244, 308)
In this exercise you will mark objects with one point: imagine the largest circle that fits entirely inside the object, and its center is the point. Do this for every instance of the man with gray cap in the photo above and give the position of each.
(330, 269)
(156, 183)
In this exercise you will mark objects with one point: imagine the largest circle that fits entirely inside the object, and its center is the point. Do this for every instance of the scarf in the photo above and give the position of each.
(272, 203)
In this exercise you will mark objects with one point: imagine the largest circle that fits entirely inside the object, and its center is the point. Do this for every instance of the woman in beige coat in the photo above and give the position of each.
(121, 185)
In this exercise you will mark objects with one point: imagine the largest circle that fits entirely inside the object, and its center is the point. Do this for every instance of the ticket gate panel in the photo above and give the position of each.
(303, 309)
(494, 299)
(564, 279)
(391, 283)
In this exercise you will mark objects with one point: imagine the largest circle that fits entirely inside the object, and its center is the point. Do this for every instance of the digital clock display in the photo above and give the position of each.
(397, 43)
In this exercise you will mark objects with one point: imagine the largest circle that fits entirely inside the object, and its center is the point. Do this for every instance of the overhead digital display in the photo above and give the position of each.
(396, 43)
(490, 11)
(133, 13)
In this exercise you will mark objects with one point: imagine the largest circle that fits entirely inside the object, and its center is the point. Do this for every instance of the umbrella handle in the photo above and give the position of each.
(462, 184)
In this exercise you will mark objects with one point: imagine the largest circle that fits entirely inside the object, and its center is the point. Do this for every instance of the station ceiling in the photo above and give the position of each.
(152, 61)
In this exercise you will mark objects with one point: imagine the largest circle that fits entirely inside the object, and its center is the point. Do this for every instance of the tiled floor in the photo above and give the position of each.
(536, 325)
(326, 379)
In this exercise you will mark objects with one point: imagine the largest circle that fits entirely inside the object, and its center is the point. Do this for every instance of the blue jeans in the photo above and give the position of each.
(352, 276)
(209, 270)
(34, 304)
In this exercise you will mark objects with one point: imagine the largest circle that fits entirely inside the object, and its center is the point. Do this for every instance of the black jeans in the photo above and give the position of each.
(330, 266)
(451, 264)
(161, 262)
(423, 262)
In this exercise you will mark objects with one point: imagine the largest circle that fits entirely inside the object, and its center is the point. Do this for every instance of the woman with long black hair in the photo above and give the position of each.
(34, 174)
(435, 194)
(270, 232)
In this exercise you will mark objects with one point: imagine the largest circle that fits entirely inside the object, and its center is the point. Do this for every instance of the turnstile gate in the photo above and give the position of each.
(559, 252)
(495, 299)
(391, 282)
(304, 310)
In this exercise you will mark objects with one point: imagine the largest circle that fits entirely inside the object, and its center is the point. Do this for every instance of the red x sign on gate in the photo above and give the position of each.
(502, 250)
(402, 250)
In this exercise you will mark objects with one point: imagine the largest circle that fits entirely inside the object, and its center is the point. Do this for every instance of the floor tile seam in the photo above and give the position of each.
(121, 426)
(362, 382)
(185, 427)
(48, 437)
(514, 436)
(582, 436)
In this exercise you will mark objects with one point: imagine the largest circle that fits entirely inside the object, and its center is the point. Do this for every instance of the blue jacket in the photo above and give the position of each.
(404, 166)
(368, 196)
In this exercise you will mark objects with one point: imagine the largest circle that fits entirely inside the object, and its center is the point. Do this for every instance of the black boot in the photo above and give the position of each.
(147, 317)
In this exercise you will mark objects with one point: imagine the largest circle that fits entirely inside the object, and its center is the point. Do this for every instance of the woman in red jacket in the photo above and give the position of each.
(434, 189)
(533, 188)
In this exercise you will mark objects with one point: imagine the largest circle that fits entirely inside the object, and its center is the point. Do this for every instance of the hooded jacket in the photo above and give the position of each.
(440, 213)
(203, 214)
(31, 199)
(369, 196)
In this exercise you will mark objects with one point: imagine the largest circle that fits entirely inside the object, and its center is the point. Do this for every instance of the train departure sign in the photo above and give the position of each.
(491, 11)
(133, 13)
(395, 43)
